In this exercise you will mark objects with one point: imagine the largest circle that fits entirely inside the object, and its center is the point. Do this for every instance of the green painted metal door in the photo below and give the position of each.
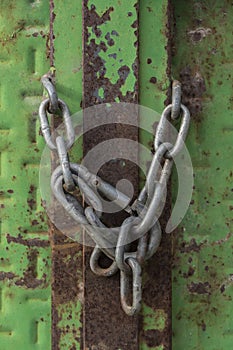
(44, 278)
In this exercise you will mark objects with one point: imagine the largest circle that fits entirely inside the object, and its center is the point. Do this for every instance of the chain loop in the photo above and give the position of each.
(122, 244)
(182, 134)
(136, 272)
(97, 269)
(142, 226)
(45, 128)
(65, 164)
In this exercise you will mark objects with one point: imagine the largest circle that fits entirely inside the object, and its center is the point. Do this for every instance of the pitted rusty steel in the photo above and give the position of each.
(143, 223)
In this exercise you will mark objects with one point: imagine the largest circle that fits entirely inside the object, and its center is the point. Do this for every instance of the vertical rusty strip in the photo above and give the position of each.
(51, 33)
(110, 75)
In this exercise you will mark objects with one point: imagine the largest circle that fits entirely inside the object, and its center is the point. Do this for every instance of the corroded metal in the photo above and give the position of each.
(110, 75)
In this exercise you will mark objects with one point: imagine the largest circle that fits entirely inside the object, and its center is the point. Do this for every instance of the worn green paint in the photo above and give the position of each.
(209, 219)
(153, 54)
(112, 36)
(116, 55)
(153, 319)
(153, 77)
(202, 318)
(24, 308)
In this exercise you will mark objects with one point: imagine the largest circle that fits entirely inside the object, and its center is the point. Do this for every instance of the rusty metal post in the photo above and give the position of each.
(110, 75)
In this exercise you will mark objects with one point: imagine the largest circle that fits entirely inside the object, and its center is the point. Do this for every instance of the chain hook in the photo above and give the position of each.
(176, 99)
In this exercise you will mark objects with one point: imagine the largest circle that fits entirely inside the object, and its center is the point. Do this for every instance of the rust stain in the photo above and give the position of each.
(199, 288)
(154, 338)
(190, 247)
(158, 286)
(51, 37)
(67, 282)
(34, 242)
(193, 89)
(198, 34)
(6, 275)
(29, 279)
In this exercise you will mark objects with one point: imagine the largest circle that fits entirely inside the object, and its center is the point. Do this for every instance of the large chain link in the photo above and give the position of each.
(142, 224)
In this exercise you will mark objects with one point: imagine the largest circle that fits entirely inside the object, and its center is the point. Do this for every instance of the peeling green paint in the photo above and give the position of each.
(111, 40)
(153, 319)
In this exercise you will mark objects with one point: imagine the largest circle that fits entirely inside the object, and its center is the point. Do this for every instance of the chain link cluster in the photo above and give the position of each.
(142, 225)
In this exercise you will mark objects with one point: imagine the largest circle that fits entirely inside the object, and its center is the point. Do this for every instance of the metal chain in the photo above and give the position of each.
(142, 224)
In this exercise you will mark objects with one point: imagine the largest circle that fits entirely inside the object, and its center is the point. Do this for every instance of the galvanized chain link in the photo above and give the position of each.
(142, 224)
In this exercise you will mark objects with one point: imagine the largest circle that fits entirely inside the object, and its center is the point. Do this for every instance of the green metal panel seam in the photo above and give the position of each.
(67, 281)
(154, 71)
(25, 252)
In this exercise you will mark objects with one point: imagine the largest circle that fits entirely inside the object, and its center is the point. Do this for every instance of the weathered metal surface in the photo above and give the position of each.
(24, 246)
(154, 30)
(202, 276)
(67, 276)
(110, 75)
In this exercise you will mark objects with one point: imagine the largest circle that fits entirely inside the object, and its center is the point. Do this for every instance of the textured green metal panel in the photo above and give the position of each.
(202, 277)
(24, 246)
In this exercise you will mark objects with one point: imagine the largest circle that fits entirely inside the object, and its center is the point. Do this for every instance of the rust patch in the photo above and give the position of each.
(198, 34)
(51, 37)
(199, 288)
(153, 338)
(158, 286)
(34, 242)
(191, 247)
(29, 279)
(6, 275)
(190, 272)
(193, 88)
(67, 283)
(203, 326)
